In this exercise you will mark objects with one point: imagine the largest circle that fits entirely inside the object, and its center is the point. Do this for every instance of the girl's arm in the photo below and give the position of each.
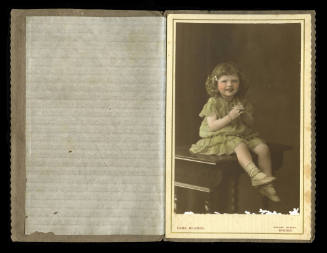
(215, 124)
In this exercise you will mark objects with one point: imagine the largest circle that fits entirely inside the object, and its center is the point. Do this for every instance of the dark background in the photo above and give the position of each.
(269, 55)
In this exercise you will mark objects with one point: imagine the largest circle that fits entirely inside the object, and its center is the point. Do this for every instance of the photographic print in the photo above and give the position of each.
(238, 98)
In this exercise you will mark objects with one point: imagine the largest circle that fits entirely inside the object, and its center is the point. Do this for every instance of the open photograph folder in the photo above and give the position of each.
(105, 123)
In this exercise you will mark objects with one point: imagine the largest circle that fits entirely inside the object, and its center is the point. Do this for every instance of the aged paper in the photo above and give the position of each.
(275, 51)
(95, 125)
(31, 108)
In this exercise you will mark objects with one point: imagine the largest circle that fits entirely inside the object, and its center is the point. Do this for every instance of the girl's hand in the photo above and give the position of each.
(236, 111)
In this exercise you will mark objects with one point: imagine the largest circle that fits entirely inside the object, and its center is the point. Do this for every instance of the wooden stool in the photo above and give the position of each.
(209, 183)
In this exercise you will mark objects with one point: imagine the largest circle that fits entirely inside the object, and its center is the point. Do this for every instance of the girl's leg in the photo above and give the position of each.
(243, 154)
(264, 158)
(245, 159)
(264, 162)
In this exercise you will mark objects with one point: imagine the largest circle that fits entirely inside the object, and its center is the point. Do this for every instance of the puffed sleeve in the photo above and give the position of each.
(209, 108)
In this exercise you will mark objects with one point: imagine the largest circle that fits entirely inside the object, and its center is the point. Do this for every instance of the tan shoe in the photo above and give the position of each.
(261, 179)
(269, 192)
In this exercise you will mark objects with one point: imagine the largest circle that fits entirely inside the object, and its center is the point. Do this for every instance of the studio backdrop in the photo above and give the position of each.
(269, 55)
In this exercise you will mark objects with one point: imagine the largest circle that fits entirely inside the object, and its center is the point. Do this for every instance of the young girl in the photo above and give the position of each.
(226, 127)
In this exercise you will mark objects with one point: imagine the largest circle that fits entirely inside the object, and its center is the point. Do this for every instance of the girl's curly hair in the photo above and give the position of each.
(222, 69)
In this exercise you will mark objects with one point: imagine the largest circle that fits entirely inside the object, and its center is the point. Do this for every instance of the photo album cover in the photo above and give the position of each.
(136, 126)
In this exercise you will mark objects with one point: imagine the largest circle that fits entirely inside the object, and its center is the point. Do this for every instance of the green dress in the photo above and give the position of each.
(224, 140)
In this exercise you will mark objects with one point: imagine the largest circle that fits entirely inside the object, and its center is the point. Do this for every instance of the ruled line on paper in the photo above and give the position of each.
(95, 125)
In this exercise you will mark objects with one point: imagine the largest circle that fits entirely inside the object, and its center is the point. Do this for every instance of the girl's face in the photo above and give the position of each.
(228, 85)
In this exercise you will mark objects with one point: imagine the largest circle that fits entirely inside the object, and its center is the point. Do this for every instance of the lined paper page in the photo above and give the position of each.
(95, 125)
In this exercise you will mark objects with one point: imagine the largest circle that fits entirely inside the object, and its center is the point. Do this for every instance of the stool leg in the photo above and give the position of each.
(207, 208)
(175, 200)
(233, 201)
(234, 193)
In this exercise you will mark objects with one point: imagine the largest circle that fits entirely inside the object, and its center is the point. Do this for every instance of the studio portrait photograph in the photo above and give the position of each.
(237, 95)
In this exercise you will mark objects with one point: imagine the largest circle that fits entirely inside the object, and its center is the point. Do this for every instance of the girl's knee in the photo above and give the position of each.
(262, 149)
(241, 146)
